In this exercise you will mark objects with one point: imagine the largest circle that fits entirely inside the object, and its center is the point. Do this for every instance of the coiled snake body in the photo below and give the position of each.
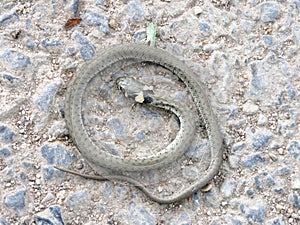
(95, 155)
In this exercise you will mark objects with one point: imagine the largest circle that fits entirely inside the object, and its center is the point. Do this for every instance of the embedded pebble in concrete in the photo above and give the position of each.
(15, 59)
(51, 215)
(6, 134)
(246, 54)
(15, 201)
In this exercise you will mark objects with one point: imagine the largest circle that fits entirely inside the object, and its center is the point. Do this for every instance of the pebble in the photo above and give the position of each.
(15, 59)
(268, 40)
(78, 199)
(258, 183)
(259, 138)
(116, 125)
(137, 214)
(6, 134)
(47, 43)
(5, 18)
(252, 161)
(135, 11)
(46, 97)
(56, 154)
(262, 120)
(50, 216)
(254, 212)
(228, 187)
(49, 196)
(11, 79)
(5, 152)
(15, 201)
(184, 218)
(270, 11)
(234, 161)
(293, 148)
(249, 108)
(87, 50)
(92, 18)
(295, 181)
(3, 221)
(294, 198)
(277, 221)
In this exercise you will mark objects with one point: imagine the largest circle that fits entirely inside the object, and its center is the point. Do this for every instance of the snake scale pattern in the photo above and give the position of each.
(95, 155)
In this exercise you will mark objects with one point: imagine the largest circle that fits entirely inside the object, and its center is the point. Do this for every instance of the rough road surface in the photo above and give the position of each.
(245, 52)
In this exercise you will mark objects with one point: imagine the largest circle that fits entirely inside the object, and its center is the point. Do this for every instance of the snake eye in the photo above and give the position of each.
(120, 83)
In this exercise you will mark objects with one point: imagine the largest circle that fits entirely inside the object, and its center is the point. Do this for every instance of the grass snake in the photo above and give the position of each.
(94, 153)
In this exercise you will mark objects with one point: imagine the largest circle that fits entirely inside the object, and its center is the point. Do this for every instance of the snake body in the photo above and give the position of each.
(95, 155)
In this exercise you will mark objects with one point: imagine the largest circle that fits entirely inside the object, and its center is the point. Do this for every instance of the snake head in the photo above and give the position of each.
(132, 88)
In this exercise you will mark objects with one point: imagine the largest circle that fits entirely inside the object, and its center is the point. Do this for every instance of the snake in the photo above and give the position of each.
(95, 154)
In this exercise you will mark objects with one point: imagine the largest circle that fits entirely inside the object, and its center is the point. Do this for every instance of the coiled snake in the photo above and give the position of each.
(95, 155)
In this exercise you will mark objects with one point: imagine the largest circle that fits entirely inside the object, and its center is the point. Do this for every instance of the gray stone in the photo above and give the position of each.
(284, 171)
(294, 198)
(47, 43)
(140, 136)
(262, 120)
(138, 215)
(87, 50)
(50, 216)
(15, 201)
(277, 221)
(5, 152)
(73, 7)
(48, 172)
(11, 79)
(294, 148)
(77, 200)
(228, 187)
(15, 59)
(3, 221)
(57, 154)
(252, 161)
(6, 134)
(270, 180)
(92, 18)
(183, 219)
(7, 17)
(116, 125)
(46, 98)
(250, 192)
(268, 40)
(107, 189)
(258, 183)
(135, 11)
(238, 146)
(270, 11)
(258, 138)
(255, 212)
(291, 91)
(30, 44)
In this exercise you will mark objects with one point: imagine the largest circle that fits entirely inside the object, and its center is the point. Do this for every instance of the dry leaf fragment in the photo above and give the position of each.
(72, 22)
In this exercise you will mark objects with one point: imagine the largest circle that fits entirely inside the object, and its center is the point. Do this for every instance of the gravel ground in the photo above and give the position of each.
(245, 52)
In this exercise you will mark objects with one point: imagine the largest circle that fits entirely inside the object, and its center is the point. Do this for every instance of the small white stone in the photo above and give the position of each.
(48, 197)
(249, 108)
(262, 120)
(295, 182)
(197, 10)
